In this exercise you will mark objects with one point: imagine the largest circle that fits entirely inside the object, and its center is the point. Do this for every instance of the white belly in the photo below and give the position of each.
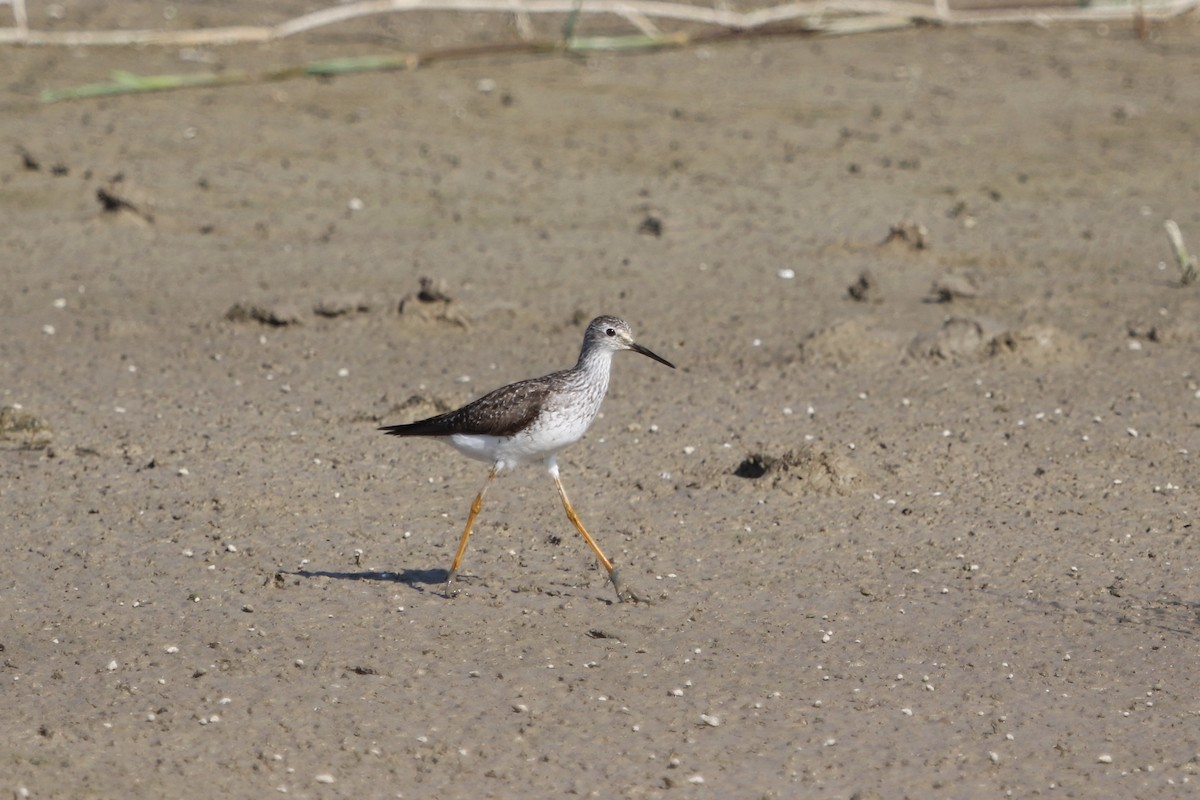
(507, 452)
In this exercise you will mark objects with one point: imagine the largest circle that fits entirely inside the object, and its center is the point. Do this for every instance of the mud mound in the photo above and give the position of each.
(432, 303)
(808, 469)
(21, 429)
(843, 343)
(1037, 344)
(274, 315)
(1169, 332)
(975, 338)
(417, 407)
(342, 305)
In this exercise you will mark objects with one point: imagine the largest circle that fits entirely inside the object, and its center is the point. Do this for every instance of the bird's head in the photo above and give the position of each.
(613, 334)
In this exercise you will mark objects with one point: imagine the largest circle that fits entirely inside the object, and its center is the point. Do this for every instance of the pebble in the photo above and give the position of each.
(712, 720)
(324, 777)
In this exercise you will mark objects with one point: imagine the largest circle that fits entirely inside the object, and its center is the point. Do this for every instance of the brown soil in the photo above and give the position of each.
(896, 547)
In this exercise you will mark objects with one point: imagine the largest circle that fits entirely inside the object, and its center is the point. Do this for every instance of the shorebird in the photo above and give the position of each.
(533, 420)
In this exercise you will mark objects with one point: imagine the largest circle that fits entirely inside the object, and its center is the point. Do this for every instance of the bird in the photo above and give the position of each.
(533, 420)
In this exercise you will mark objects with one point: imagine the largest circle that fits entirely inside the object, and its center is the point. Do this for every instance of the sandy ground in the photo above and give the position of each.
(896, 547)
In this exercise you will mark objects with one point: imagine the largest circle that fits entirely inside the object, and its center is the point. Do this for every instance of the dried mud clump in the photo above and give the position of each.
(804, 470)
(1177, 331)
(342, 305)
(651, 226)
(282, 314)
(865, 289)
(843, 343)
(126, 202)
(953, 286)
(276, 315)
(961, 339)
(23, 430)
(957, 338)
(912, 234)
(1037, 344)
(433, 303)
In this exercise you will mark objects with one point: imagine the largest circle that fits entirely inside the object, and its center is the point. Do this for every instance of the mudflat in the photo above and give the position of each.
(916, 513)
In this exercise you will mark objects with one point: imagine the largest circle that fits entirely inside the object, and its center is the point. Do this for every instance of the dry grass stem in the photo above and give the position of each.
(831, 17)
(1185, 262)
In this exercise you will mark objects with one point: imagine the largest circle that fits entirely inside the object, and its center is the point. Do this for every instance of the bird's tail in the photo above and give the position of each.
(421, 428)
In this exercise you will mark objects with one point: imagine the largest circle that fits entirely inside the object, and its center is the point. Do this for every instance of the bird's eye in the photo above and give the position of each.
(611, 332)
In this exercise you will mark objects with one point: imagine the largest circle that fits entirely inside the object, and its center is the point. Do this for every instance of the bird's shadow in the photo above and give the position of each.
(416, 578)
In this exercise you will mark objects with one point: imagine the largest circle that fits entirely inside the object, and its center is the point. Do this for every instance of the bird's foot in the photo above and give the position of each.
(450, 589)
(624, 593)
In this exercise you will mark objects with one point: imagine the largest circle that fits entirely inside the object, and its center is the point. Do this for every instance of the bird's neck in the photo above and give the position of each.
(593, 367)
(594, 360)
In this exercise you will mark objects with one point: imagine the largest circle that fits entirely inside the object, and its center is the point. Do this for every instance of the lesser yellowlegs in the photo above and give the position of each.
(534, 419)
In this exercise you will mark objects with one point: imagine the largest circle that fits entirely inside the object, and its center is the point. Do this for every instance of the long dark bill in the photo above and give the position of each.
(637, 348)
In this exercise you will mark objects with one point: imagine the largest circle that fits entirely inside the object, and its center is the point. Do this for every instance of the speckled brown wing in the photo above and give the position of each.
(502, 412)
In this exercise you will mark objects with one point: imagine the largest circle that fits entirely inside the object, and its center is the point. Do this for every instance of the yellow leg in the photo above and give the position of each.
(623, 594)
(476, 507)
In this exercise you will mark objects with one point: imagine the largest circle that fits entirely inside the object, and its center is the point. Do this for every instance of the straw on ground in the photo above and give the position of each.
(826, 16)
